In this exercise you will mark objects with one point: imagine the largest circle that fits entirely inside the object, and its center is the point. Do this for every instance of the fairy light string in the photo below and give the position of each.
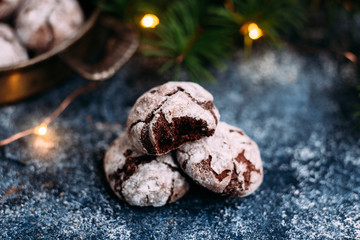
(42, 128)
(148, 21)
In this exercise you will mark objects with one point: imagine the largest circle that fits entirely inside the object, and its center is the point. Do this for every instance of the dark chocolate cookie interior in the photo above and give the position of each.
(169, 136)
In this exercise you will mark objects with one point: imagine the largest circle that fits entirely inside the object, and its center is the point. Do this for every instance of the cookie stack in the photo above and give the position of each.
(173, 130)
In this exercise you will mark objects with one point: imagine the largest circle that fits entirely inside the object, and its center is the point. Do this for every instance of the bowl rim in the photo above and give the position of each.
(58, 48)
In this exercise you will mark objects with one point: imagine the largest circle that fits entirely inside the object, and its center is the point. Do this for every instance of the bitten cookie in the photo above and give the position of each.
(167, 116)
(142, 180)
(8, 7)
(42, 24)
(228, 162)
(11, 52)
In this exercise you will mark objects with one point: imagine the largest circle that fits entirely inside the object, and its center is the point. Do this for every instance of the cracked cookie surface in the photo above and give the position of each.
(167, 116)
(142, 180)
(43, 24)
(228, 163)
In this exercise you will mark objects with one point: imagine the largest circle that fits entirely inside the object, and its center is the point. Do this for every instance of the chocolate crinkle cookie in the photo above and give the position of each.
(170, 115)
(142, 180)
(43, 24)
(8, 7)
(228, 163)
(11, 51)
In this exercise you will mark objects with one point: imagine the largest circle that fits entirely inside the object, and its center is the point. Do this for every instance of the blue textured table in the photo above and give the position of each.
(297, 108)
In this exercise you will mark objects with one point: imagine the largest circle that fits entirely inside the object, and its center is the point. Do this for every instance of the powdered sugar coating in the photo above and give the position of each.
(166, 116)
(42, 24)
(228, 162)
(142, 180)
(8, 7)
(11, 50)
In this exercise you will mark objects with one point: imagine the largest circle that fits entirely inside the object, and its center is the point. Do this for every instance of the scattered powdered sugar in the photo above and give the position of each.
(271, 66)
(308, 143)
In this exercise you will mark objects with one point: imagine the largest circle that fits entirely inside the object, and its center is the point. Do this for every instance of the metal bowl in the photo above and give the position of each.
(46, 70)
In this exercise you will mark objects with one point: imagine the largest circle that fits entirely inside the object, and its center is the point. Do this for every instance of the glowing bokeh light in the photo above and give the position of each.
(41, 130)
(254, 31)
(149, 21)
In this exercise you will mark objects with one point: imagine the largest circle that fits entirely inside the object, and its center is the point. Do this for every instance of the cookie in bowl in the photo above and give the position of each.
(12, 52)
(43, 24)
(8, 7)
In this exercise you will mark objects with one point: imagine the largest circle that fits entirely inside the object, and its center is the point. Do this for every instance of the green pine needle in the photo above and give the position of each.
(276, 17)
(129, 9)
(193, 35)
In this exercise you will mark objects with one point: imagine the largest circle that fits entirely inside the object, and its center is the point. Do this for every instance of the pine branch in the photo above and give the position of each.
(129, 9)
(275, 17)
(193, 35)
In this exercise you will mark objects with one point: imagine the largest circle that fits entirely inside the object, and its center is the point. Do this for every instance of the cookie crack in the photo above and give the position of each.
(185, 162)
(220, 176)
(134, 123)
(178, 89)
(172, 168)
(50, 27)
(150, 116)
(250, 167)
(145, 138)
(128, 152)
(206, 165)
(234, 185)
(118, 183)
(234, 171)
(224, 174)
(171, 191)
(209, 105)
(146, 141)
(237, 131)
(132, 163)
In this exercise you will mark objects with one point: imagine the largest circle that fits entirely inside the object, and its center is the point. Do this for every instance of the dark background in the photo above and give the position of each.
(297, 107)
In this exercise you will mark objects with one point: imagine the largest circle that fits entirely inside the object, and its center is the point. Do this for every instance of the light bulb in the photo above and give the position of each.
(41, 130)
(254, 31)
(149, 21)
